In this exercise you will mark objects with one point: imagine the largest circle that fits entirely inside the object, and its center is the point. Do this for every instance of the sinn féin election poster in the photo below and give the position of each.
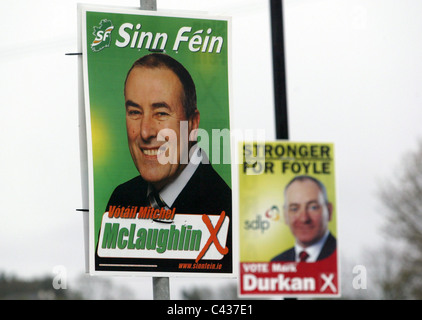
(156, 90)
(288, 220)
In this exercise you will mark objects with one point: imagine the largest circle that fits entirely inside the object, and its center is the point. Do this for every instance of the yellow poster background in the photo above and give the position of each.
(263, 233)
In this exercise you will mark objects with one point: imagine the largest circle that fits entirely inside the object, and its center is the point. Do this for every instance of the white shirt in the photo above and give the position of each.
(313, 251)
(171, 191)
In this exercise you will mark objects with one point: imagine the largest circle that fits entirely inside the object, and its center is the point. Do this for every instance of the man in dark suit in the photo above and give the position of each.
(206, 192)
(162, 120)
(307, 211)
(160, 99)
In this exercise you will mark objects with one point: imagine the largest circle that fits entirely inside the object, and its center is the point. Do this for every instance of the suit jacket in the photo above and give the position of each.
(205, 193)
(329, 247)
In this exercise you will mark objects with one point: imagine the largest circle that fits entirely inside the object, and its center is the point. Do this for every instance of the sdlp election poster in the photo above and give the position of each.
(288, 220)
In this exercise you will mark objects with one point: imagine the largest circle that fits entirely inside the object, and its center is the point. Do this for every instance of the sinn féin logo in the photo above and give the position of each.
(102, 35)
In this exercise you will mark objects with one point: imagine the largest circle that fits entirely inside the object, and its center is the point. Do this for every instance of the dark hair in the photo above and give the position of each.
(161, 60)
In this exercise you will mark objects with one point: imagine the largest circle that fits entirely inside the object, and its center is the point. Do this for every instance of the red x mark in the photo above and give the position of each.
(213, 235)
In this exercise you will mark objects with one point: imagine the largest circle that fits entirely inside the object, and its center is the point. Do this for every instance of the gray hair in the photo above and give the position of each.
(309, 178)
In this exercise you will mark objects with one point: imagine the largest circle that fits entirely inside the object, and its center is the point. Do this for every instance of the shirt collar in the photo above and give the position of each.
(172, 190)
(312, 250)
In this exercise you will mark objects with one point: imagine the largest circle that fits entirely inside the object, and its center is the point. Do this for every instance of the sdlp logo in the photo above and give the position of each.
(262, 223)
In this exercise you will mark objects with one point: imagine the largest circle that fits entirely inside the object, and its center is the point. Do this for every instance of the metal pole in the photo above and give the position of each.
(149, 5)
(279, 69)
(280, 95)
(160, 285)
(161, 288)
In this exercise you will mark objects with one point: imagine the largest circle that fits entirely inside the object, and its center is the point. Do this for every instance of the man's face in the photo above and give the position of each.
(305, 212)
(153, 102)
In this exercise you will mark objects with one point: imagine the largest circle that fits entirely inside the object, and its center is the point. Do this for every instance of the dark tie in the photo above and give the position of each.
(303, 255)
(157, 203)
(155, 200)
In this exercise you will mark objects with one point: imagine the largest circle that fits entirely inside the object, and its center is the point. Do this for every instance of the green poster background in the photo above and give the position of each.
(107, 70)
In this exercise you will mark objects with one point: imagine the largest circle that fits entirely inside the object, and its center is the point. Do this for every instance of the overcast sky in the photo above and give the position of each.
(354, 77)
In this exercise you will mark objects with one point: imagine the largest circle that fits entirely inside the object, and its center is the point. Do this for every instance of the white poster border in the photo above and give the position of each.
(86, 132)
